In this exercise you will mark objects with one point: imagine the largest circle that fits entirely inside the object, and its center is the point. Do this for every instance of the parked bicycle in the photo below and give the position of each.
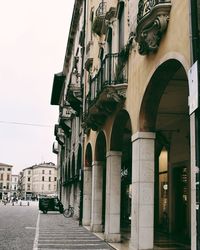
(68, 212)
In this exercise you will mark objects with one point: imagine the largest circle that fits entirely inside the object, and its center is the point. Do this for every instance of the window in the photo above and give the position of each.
(49, 178)
(9, 169)
(42, 186)
(29, 172)
(49, 186)
(29, 178)
(8, 177)
(121, 26)
(49, 171)
(42, 178)
(2, 169)
(55, 178)
(1, 178)
(7, 186)
(1, 185)
(91, 22)
(43, 171)
(28, 187)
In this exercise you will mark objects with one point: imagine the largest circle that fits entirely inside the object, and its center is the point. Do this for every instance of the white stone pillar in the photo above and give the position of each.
(142, 228)
(113, 196)
(87, 196)
(97, 192)
(193, 181)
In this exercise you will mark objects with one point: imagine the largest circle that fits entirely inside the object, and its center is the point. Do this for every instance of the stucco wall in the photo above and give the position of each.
(174, 44)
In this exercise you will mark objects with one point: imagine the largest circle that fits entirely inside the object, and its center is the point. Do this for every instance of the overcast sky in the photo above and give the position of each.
(33, 39)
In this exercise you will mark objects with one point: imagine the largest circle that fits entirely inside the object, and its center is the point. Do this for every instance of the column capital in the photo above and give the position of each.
(143, 135)
(87, 169)
(98, 163)
(113, 153)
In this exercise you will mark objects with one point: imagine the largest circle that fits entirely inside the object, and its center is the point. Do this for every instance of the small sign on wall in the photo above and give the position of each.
(193, 88)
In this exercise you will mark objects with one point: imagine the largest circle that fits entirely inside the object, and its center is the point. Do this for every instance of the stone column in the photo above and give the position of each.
(142, 228)
(97, 189)
(193, 170)
(72, 195)
(87, 196)
(113, 195)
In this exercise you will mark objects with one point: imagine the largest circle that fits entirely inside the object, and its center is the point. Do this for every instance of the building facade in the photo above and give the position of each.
(5, 180)
(127, 138)
(14, 185)
(39, 180)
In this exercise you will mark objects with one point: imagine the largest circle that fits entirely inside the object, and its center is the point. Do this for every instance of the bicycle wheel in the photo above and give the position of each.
(67, 213)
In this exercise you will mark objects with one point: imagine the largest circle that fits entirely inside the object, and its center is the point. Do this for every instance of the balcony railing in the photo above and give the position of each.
(107, 90)
(113, 71)
(101, 10)
(99, 19)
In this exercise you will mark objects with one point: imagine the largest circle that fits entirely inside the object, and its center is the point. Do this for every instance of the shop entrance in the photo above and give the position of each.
(121, 141)
(180, 201)
(171, 209)
(165, 112)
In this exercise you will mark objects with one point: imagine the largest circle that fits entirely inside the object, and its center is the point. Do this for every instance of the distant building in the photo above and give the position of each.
(14, 185)
(5, 180)
(38, 180)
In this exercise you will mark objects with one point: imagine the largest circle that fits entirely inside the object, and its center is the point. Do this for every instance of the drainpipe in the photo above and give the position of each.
(195, 55)
(83, 109)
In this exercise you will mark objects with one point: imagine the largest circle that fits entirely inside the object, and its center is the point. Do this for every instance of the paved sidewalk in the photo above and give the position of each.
(54, 231)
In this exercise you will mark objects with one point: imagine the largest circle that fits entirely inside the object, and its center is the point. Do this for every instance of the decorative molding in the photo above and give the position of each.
(104, 106)
(152, 22)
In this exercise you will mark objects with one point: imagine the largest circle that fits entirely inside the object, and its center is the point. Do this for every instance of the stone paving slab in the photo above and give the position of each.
(54, 231)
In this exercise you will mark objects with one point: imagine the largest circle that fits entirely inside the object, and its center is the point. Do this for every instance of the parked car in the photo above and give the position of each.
(50, 204)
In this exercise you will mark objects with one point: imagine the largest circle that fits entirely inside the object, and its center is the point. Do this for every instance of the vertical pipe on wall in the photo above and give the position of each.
(194, 36)
(83, 108)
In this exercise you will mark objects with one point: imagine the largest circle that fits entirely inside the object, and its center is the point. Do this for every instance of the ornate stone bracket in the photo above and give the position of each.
(153, 17)
(104, 106)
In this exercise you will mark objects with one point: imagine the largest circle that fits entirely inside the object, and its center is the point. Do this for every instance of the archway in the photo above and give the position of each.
(165, 112)
(73, 193)
(87, 186)
(79, 161)
(79, 174)
(121, 142)
(99, 184)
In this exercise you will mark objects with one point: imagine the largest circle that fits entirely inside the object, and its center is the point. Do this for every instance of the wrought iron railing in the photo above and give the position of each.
(113, 71)
(101, 10)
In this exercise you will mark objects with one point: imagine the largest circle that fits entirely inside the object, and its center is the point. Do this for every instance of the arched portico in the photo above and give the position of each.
(118, 171)
(99, 184)
(87, 186)
(161, 161)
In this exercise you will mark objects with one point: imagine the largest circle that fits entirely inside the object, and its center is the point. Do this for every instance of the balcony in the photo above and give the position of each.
(74, 92)
(99, 21)
(59, 134)
(107, 90)
(65, 118)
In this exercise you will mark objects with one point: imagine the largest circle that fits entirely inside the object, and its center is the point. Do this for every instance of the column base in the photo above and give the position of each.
(113, 238)
(96, 228)
(85, 222)
(133, 247)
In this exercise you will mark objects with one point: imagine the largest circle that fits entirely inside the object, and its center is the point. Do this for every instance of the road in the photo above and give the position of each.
(17, 226)
(25, 228)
